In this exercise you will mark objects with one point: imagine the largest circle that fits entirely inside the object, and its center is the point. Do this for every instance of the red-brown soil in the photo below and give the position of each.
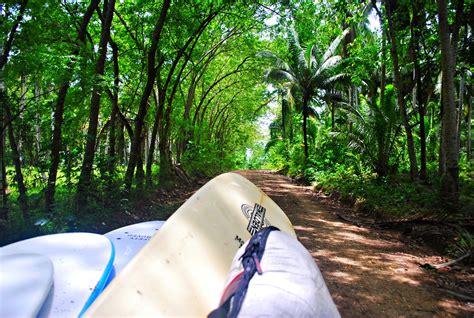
(369, 272)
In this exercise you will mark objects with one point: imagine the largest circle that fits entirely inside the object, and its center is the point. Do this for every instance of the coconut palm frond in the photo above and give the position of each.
(313, 113)
(280, 75)
(351, 109)
(330, 63)
(297, 51)
(333, 97)
(330, 81)
(332, 48)
(313, 61)
(279, 63)
(266, 54)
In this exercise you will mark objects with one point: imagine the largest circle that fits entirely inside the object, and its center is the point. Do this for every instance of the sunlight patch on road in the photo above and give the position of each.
(342, 276)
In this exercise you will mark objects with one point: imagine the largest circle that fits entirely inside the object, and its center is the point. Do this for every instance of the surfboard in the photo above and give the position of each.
(128, 241)
(25, 281)
(182, 270)
(82, 264)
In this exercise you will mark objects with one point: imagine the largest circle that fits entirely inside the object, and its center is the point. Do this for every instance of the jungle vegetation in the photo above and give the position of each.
(103, 101)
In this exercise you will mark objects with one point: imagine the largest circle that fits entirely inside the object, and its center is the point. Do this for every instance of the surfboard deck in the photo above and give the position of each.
(129, 240)
(82, 264)
(25, 282)
(182, 270)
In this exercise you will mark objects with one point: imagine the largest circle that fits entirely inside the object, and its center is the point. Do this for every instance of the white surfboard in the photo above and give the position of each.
(82, 264)
(182, 270)
(129, 240)
(25, 281)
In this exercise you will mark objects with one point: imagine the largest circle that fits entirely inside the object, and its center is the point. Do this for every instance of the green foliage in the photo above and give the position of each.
(388, 196)
(326, 64)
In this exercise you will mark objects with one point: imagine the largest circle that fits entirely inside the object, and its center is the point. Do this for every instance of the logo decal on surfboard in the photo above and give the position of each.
(256, 217)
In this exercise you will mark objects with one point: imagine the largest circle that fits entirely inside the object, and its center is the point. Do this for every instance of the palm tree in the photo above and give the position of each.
(376, 126)
(307, 78)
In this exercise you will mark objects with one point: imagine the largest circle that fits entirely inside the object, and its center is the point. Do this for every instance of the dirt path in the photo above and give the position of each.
(369, 272)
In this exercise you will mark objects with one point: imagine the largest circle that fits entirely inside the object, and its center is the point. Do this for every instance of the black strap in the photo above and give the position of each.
(251, 263)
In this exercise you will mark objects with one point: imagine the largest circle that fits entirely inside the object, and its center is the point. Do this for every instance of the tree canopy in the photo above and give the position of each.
(104, 100)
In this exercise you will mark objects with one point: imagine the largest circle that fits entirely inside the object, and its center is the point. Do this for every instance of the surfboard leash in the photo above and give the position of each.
(234, 294)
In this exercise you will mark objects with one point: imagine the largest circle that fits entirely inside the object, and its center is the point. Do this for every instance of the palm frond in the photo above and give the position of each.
(351, 109)
(334, 79)
(330, 63)
(313, 61)
(332, 48)
(297, 51)
(279, 63)
(266, 54)
(313, 113)
(280, 75)
(333, 97)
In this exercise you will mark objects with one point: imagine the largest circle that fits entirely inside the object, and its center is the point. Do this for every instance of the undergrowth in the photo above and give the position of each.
(388, 196)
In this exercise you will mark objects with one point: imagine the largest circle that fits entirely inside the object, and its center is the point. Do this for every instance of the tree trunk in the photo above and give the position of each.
(442, 150)
(86, 170)
(140, 173)
(468, 125)
(305, 136)
(121, 143)
(166, 177)
(23, 197)
(400, 97)
(460, 104)
(154, 132)
(20, 128)
(415, 35)
(382, 156)
(3, 172)
(143, 107)
(5, 48)
(59, 110)
(37, 125)
(113, 115)
(449, 193)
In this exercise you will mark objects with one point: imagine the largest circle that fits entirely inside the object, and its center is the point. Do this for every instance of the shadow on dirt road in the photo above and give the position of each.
(369, 272)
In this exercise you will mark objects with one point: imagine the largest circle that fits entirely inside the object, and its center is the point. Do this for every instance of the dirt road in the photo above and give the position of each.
(370, 273)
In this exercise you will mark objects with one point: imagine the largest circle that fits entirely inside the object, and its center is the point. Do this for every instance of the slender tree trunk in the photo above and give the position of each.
(5, 48)
(186, 136)
(468, 125)
(154, 132)
(449, 194)
(166, 177)
(416, 34)
(400, 97)
(113, 115)
(382, 153)
(305, 135)
(460, 105)
(140, 173)
(59, 109)
(442, 149)
(23, 197)
(3, 172)
(37, 125)
(142, 109)
(121, 143)
(20, 130)
(86, 170)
